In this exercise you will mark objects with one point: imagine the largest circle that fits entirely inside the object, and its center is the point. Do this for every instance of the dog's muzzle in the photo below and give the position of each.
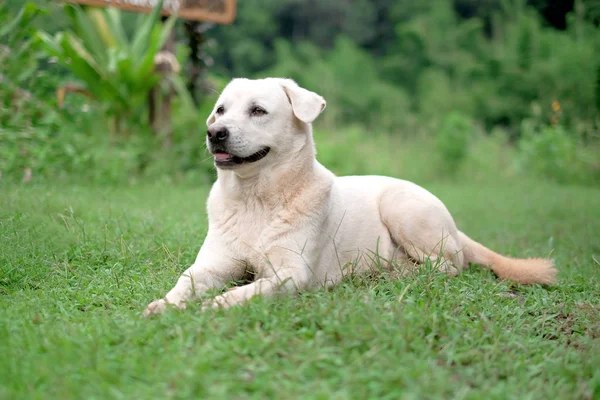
(217, 138)
(225, 160)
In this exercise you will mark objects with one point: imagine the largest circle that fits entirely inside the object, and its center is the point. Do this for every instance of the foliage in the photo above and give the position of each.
(246, 47)
(22, 83)
(44, 154)
(82, 152)
(347, 77)
(352, 151)
(551, 152)
(538, 66)
(15, 57)
(76, 156)
(117, 71)
(397, 75)
(497, 62)
(453, 138)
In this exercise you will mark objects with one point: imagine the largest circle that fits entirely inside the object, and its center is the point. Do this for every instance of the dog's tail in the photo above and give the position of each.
(525, 271)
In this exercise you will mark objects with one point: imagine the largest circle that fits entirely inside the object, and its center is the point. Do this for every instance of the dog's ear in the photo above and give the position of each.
(306, 105)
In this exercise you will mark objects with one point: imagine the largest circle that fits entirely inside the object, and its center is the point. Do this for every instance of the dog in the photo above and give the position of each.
(277, 213)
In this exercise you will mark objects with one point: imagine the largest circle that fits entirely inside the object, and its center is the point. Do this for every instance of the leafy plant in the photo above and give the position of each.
(453, 139)
(15, 52)
(551, 152)
(20, 77)
(118, 71)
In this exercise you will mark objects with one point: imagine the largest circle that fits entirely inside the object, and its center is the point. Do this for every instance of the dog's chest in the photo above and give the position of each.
(247, 230)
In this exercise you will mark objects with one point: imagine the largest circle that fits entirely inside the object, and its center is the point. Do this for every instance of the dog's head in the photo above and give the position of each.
(255, 121)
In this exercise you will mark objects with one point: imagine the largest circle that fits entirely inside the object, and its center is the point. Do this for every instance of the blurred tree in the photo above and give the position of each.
(198, 59)
(554, 11)
(482, 9)
(245, 47)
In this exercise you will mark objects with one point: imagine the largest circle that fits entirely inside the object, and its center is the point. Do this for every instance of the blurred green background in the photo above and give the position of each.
(435, 90)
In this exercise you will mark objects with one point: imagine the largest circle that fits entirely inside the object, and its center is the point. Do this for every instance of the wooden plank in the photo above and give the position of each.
(219, 11)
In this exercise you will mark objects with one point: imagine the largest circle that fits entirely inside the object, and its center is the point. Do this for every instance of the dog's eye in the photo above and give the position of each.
(257, 111)
(220, 110)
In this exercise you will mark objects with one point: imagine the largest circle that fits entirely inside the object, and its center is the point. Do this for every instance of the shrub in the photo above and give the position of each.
(355, 151)
(80, 150)
(24, 87)
(452, 140)
(551, 152)
(117, 71)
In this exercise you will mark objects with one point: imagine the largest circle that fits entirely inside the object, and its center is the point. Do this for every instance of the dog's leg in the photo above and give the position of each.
(196, 280)
(442, 250)
(262, 287)
(423, 229)
(442, 262)
(212, 269)
(284, 274)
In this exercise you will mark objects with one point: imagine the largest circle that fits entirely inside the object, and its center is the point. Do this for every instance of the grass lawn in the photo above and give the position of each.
(79, 264)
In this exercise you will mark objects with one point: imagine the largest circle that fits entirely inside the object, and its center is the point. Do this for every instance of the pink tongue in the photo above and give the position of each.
(222, 156)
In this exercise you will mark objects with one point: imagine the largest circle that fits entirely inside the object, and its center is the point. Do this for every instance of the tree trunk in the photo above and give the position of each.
(161, 96)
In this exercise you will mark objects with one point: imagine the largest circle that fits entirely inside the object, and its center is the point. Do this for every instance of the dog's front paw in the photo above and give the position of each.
(159, 307)
(225, 300)
(156, 307)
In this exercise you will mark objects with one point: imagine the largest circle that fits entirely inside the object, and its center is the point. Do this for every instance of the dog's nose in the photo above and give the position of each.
(218, 134)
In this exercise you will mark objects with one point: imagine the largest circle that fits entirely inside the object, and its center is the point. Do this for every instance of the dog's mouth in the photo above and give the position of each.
(226, 160)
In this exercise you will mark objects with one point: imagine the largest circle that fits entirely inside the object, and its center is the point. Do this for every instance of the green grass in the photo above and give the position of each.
(79, 264)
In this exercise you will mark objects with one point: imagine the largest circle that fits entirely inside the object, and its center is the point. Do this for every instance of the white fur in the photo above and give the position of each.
(295, 226)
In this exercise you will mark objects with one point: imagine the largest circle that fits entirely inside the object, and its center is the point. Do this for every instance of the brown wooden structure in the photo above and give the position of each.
(219, 11)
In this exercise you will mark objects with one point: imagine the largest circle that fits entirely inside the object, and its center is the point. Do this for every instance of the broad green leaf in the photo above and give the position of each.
(80, 50)
(125, 68)
(145, 65)
(113, 18)
(85, 68)
(157, 39)
(139, 21)
(50, 44)
(77, 64)
(165, 31)
(26, 14)
(111, 67)
(86, 29)
(99, 17)
(140, 39)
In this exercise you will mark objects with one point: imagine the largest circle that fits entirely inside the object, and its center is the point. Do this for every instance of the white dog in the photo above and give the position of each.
(277, 213)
